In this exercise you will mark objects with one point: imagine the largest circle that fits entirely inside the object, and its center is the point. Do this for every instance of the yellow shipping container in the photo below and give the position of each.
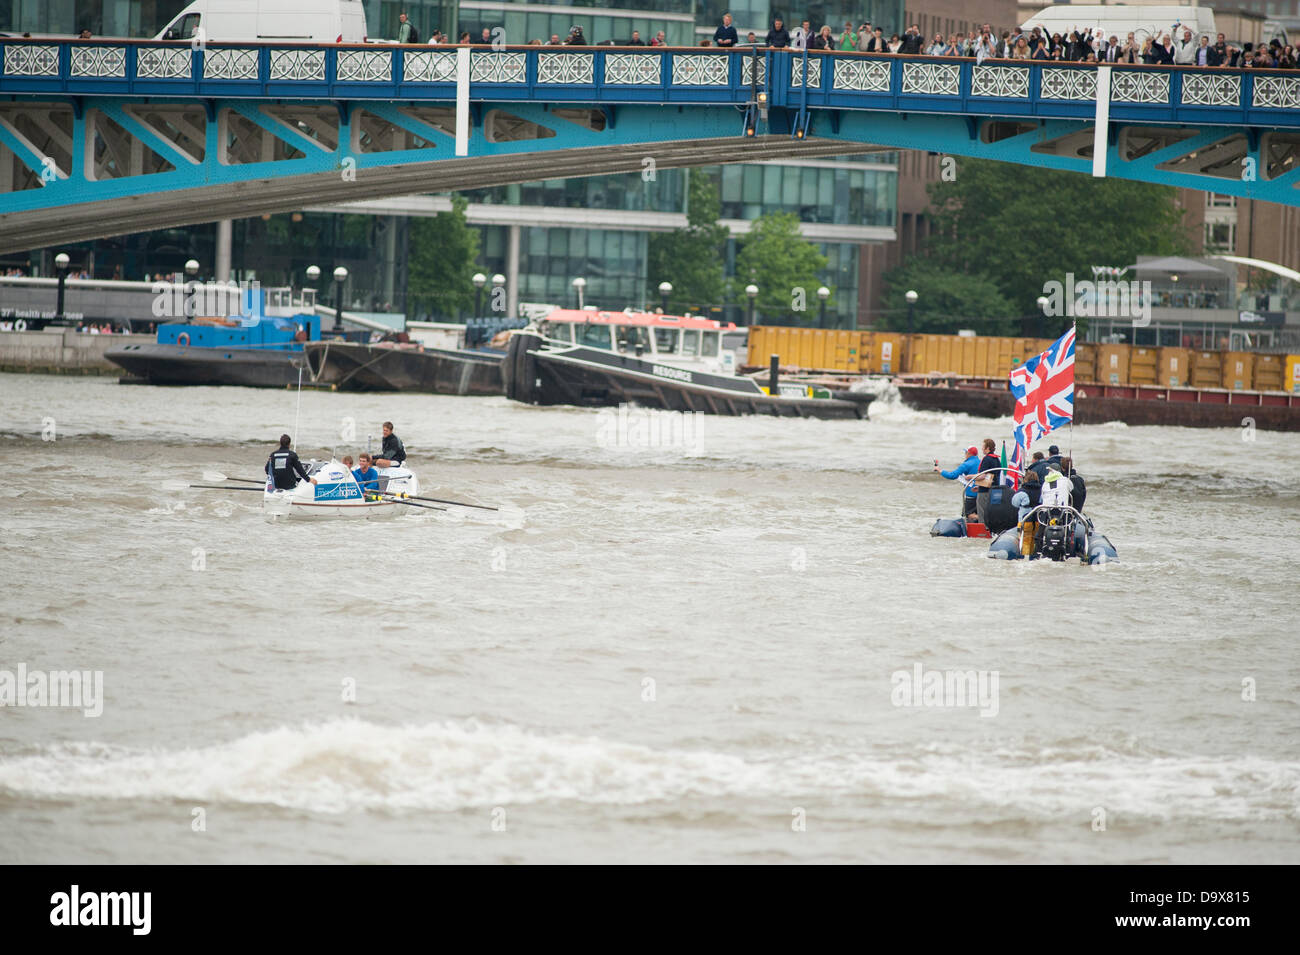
(887, 354)
(1292, 383)
(1174, 367)
(1206, 370)
(1237, 368)
(1085, 361)
(1112, 364)
(1268, 372)
(1142, 366)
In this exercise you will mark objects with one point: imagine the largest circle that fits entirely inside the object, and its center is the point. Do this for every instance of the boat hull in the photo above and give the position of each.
(277, 507)
(348, 366)
(590, 377)
(1134, 405)
(189, 365)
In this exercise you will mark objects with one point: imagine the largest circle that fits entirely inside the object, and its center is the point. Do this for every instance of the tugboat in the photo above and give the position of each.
(258, 344)
(672, 362)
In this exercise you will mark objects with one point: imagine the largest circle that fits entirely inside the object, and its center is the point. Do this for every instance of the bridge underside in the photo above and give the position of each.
(70, 172)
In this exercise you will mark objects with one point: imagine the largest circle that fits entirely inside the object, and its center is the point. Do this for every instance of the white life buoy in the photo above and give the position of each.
(183, 339)
(20, 325)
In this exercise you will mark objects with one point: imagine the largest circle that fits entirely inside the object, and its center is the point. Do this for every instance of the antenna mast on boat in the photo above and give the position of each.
(297, 411)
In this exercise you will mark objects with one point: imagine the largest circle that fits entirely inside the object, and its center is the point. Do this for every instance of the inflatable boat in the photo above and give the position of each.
(1062, 533)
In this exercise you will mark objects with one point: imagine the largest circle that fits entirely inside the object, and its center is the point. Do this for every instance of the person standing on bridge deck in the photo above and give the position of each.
(393, 452)
(848, 39)
(283, 467)
(1184, 49)
(485, 37)
(576, 38)
(405, 30)
(778, 38)
(865, 36)
(635, 41)
(725, 36)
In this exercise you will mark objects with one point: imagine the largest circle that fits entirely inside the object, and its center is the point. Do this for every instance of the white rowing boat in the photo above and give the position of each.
(337, 495)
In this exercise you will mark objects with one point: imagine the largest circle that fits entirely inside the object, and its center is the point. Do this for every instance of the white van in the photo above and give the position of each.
(1119, 20)
(270, 21)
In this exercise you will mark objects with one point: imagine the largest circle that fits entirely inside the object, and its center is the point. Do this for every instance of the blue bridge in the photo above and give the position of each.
(101, 138)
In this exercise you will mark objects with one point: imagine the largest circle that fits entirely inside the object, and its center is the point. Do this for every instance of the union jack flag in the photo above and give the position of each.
(1044, 390)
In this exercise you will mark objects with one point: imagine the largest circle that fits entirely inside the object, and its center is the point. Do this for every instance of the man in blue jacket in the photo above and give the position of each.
(725, 35)
(968, 467)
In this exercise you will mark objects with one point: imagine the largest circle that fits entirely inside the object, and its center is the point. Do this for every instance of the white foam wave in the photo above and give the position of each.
(351, 765)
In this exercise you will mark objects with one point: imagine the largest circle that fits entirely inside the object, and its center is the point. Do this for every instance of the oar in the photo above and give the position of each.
(182, 485)
(218, 476)
(440, 500)
(396, 500)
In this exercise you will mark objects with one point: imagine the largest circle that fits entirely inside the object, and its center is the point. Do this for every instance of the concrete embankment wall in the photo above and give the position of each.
(62, 351)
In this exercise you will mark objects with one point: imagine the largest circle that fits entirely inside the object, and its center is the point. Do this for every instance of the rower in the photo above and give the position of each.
(366, 475)
(393, 453)
(284, 468)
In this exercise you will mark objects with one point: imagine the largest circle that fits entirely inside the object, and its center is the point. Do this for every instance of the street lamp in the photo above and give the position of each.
(61, 262)
(752, 291)
(911, 297)
(191, 287)
(1043, 302)
(665, 289)
(823, 293)
(578, 285)
(479, 281)
(340, 276)
(313, 274)
(498, 282)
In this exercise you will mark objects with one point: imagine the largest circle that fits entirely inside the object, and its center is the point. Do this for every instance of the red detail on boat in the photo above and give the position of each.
(976, 529)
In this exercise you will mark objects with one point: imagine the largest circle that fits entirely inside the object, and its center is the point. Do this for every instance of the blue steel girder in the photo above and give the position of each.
(311, 113)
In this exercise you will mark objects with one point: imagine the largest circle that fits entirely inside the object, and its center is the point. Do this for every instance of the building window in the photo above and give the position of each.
(1220, 237)
(1217, 200)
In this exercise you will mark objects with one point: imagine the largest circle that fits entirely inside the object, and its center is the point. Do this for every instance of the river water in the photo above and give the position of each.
(695, 651)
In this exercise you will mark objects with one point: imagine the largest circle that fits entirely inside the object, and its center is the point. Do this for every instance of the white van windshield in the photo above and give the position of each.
(183, 28)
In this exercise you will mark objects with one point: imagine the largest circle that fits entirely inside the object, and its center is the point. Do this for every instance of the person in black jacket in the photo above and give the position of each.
(284, 468)
(778, 37)
(725, 35)
(393, 453)
(912, 40)
(1079, 489)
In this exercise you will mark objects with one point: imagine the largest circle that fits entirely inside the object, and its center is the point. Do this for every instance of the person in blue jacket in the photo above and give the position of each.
(366, 476)
(968, 467)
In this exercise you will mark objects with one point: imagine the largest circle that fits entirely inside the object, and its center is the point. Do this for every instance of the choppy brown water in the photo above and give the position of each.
(768, 579)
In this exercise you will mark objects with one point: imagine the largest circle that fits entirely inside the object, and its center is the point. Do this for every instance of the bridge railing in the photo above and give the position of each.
(692, 75)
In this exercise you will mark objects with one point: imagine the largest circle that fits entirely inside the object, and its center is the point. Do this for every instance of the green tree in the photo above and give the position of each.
(691, 259)
(945, 301)
(784, 266)
(440, 262)
(1023, 226)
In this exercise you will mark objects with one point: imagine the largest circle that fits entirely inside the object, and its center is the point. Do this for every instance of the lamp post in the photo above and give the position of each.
(911, 297)
(1043, 302)
(752, 291)
(479, 281)
(823, 293)
(340, 276)
(498, 282)
(61, 262)
(191, 288)
(665, 289)
(578, 285)
(313, 274)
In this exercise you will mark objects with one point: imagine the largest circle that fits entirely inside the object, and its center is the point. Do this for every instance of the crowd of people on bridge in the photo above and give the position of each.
(1178, 47)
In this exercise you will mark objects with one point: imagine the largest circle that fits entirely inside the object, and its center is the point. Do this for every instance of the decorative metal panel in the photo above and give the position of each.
(298, 65)
(431, 67)
(632, 69)
(163, 63)
(1009, 82)
(497, 68)
(1204, 89)
(365, 66)
(932, 79)
(747, 71)
(866, 75)
(1064, 83)
(572, 68)
(1276, 92)
(814, 72)
(700, 69)
(1130, 86)
(230, 65)
(28, 60)
(98, 61)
